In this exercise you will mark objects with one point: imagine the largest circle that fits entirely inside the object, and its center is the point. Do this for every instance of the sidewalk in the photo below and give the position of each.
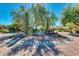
(7, 34)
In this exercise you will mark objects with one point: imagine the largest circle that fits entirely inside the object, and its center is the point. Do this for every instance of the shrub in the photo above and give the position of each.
(77, 30)
(35, 30)
(13, 28)
(60, 30)
(4, 31)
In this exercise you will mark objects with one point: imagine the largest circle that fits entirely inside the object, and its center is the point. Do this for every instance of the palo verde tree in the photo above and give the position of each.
(36, 17)
(50, 19)
(20, 17)
(42, 17)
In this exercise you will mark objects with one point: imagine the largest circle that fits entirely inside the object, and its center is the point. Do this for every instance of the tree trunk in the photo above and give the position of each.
(47, 25)
(26, 23)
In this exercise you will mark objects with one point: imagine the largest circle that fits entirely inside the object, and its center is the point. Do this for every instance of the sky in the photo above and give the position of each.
(6, 8)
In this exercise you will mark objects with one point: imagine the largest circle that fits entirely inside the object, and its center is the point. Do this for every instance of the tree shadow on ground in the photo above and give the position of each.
(6, 37)
(42, 45)
(18, 48)
(74, 34)
(15, 39)
(59, 37)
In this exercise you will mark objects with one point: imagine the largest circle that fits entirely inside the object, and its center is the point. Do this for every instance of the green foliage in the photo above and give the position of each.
(60, 30)
(70, 14)
(18, 17)
(77, 31)
(4, 31)
(70, 17)
(66, 15)
(69, 26)
(42, 17)
(38, 17)
(13, 28)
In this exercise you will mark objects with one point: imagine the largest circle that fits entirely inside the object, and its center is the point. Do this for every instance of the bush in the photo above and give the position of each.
(77, 31)
(35, 30)
(60, 30)
(13, 28)
(4, 31)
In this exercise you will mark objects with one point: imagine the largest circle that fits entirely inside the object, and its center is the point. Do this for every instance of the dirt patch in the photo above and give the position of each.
(72, 48)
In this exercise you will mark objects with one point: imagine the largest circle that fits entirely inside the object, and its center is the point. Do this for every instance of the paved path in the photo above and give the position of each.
(7, 34)
(72, 48)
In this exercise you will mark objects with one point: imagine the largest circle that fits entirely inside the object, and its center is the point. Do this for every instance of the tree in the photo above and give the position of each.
(51, 19)
(26, 20)
(70, 15)
(38, 12)
(36, 17)
(75, 14)
(66, 15)
(13, 28)
(20, 17)
(42, 17)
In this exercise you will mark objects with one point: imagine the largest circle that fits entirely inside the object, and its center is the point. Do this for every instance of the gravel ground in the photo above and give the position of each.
(69, 49)
(72, 48)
